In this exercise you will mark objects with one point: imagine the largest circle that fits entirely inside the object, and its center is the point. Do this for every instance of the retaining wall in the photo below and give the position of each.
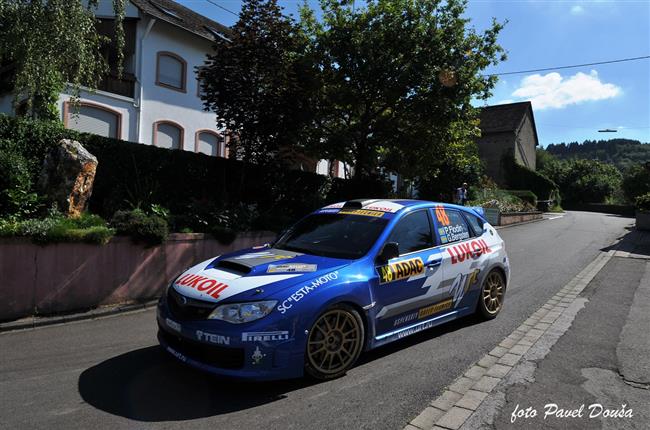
(69, 277)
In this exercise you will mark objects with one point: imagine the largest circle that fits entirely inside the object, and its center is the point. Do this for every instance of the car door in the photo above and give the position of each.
(461, 256)
(409, 282)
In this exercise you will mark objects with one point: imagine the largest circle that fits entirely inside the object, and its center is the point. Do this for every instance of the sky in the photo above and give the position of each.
(569, 104)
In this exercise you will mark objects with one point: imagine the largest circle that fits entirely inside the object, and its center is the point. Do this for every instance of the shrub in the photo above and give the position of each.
(499, 199)
(57, 228)
(150, 229)
(525, 195)
(16, 196)
(518, 176)
(636, 181)
(642, 203)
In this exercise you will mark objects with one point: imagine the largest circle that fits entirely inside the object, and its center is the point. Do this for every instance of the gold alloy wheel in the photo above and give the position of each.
(334, 342)
(493, 292)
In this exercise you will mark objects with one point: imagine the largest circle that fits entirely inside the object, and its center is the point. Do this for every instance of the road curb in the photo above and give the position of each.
(36, 322)
(462, 397)
(501, 227)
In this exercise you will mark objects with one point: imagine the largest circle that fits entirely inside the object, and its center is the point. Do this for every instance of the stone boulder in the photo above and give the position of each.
(67, 176)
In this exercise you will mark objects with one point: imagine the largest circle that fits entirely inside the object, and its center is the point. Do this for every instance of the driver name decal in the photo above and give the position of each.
(400, 270)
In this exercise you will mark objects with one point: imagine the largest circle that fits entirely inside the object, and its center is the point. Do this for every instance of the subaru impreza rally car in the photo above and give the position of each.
(349, 277)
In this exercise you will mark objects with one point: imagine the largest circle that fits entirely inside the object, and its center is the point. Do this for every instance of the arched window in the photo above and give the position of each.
(167, 134)
(171, 71)
(209, 142)
(93, 118)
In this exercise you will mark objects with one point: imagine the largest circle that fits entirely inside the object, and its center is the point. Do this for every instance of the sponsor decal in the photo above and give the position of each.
(441, 215)
(424, 312)
(362, 212)
(177, 354)
(212, 338)
(335, 206)
(405, 319)
(461, 285)
(264, 336)
(465, 251)
(203, 284)
(402, 269)
(257, 356)
(173, 325)
(417, 329)
(328, 211)
(291, 267)
(264, 254)
(298, 295)
(389, 207)
(435, 308)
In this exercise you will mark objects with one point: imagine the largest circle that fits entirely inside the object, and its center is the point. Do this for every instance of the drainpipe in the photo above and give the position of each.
(138, 102)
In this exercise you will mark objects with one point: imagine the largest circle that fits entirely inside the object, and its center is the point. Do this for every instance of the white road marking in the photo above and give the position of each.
(556, 217)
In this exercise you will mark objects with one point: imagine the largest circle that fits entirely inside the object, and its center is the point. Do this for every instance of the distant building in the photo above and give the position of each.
(508, 127)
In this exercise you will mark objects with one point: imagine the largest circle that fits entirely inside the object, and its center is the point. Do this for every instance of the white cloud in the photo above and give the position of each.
(577, 10)
(552, 91)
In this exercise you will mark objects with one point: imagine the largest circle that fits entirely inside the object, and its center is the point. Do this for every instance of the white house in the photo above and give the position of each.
(157, 100)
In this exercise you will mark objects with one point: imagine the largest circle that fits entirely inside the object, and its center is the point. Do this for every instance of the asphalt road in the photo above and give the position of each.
(110, 374)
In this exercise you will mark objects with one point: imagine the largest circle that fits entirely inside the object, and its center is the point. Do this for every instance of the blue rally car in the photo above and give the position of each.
(349, 277)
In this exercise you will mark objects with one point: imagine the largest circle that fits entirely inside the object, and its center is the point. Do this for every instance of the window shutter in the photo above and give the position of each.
(168, 136)
(90, 119)
(170, 71)
(209, 144)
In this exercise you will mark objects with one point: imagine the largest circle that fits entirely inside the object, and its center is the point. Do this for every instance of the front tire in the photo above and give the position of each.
(334, 343)
(490, 301)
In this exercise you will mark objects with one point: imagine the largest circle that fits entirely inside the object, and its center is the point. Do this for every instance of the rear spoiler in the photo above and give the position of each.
(479, 210)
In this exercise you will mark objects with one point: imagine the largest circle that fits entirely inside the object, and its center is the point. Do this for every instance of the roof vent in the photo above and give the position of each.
(217, 34)
(166, 11)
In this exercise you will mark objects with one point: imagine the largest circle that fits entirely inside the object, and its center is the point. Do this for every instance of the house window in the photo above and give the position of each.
(93, 118)
(167, 134)
(210, 143)
(171, 71)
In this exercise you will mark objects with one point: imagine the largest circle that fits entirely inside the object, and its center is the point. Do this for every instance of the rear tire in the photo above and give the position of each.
(334, 343)
(490, 300)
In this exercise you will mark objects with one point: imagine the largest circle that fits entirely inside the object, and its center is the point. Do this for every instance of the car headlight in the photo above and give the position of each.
(238, 313)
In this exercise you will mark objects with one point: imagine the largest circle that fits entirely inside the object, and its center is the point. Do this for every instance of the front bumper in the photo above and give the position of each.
(230, 350)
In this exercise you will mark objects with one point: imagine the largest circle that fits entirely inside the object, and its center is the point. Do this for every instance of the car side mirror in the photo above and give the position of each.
(388, 252)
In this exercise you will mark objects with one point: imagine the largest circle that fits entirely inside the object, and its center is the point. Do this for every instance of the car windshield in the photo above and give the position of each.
(333, 235)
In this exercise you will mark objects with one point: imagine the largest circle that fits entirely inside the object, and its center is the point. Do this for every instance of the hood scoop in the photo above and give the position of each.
(233, 267)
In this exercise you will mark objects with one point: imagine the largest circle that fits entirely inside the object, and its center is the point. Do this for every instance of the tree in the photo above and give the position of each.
(396, 81)
(636, 181)
(47, 44)
(589, 181)
(255, 81)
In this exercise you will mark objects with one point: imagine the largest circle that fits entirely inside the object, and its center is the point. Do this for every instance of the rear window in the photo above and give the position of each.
(476, 223)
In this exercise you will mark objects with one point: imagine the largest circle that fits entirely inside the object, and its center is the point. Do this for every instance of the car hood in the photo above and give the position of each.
(252, 274)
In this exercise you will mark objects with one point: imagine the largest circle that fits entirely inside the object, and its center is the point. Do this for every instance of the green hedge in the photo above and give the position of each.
(520, 177)
(134, 175)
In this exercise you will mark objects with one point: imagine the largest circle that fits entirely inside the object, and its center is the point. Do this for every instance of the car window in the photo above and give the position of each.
(452, 227)
(333, 235)
(412, 233)
(476, 223)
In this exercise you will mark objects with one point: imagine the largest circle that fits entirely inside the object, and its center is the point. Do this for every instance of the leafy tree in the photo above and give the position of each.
(589, 181)
(49, 44)
(396, 80)
(636, 181)
(255, 82)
